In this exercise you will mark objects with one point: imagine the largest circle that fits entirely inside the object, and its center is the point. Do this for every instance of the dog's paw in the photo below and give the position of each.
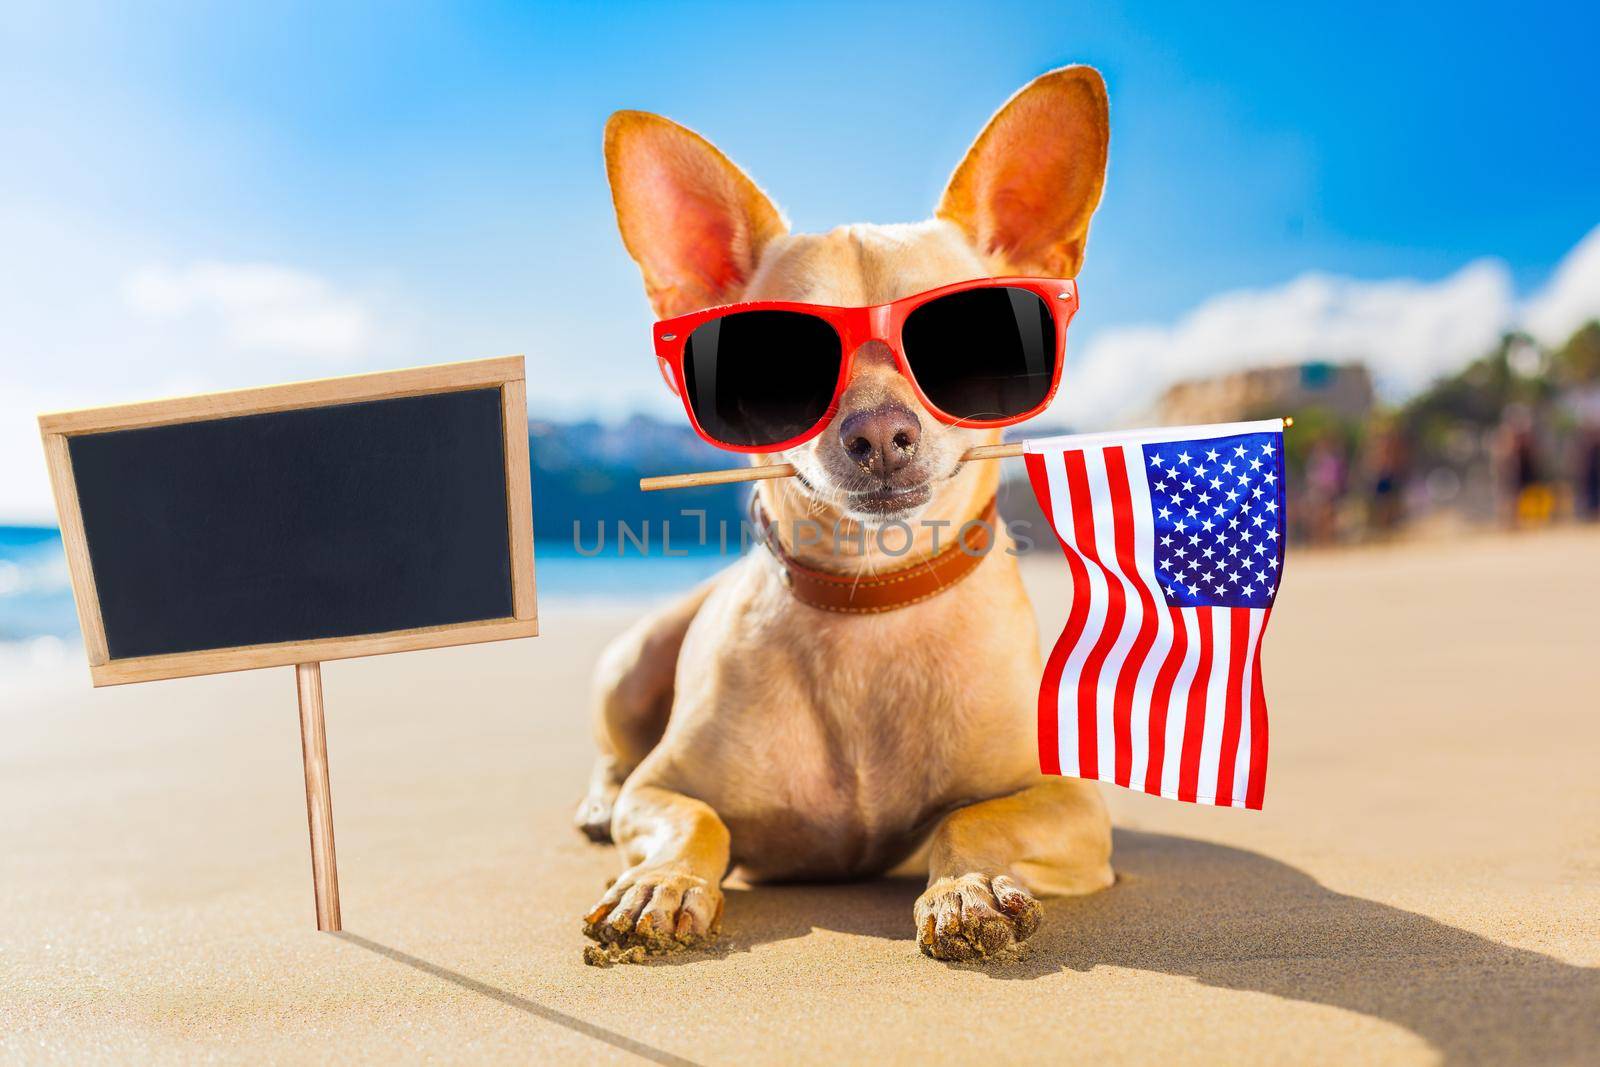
(660, 910)
(974, 916)
(593, 817)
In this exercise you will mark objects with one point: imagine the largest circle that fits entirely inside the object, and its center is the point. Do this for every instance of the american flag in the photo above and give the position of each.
(1175, 542)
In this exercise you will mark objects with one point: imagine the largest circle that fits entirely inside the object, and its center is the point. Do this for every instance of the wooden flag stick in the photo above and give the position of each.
(319, 801)
(786, 470)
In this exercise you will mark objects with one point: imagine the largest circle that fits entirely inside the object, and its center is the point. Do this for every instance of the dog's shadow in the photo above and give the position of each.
(1236, 919)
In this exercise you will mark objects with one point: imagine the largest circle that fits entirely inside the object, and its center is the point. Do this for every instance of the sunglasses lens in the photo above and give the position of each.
(757, 378)
(983, 355)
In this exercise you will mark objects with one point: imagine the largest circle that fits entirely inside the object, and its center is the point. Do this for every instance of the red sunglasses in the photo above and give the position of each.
(767, 375)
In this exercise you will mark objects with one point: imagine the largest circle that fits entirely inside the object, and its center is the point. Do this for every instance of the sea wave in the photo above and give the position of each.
(35, 592)
(47, 574)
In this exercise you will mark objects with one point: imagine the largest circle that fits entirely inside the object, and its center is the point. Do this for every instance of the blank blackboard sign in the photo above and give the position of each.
(298, 523)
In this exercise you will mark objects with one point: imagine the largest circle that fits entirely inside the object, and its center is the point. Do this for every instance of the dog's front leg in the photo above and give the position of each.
(989, 859)
(670, 895)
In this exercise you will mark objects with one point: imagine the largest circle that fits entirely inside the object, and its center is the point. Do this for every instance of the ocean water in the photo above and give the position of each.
(36, 609)
(35, 598)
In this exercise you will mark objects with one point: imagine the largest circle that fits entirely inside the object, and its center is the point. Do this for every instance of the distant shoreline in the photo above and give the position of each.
(36, 594)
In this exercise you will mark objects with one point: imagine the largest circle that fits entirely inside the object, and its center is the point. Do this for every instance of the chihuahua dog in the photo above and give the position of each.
(741, 729)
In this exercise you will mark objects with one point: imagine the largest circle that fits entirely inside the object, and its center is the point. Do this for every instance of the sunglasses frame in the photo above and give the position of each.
(856, 326)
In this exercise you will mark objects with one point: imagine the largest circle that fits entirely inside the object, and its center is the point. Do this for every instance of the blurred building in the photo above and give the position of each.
(1344, 390)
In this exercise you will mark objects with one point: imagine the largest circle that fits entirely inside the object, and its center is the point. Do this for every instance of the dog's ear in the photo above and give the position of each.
(1028, 185)
(693, 221)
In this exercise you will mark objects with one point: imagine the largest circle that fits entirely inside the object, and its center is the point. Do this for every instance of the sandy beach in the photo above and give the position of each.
(1423, 886)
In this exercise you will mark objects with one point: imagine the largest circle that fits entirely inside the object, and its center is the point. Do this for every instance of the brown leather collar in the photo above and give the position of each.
(870, 594)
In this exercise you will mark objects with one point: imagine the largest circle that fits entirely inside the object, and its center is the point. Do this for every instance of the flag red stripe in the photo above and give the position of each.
(1258, 727)
(1238, 639)
(1122, 701)
(1160, 697)
(1039, 478)
(1089, 677)
(1050, 685)
(1194, 725)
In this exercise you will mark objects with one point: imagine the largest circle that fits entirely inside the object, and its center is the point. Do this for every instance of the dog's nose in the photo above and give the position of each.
(881, 439)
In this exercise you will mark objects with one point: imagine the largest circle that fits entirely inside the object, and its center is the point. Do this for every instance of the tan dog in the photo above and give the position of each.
(741, 728)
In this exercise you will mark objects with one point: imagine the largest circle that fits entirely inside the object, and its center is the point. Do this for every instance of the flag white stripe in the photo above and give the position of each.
(1144, 560)
(1178, 705)
(1106, 548)
(1241, 765)
(1055, 467)
(1092, 627)
(1216, 715)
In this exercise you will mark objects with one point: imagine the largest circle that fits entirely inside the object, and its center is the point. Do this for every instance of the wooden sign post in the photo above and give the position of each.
(319, 799)
(296, 524)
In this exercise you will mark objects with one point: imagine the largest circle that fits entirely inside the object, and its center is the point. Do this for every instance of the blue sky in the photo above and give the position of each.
(425, 183)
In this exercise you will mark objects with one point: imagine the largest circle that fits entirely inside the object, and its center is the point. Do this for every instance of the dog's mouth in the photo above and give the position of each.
(890, 499)
(883, 499)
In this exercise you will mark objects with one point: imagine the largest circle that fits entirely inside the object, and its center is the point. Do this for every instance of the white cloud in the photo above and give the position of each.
(1571, 298)
(255, 307)
(1408, 332)
(81, 324)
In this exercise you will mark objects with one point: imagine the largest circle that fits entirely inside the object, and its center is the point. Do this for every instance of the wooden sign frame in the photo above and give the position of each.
(506, 374)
